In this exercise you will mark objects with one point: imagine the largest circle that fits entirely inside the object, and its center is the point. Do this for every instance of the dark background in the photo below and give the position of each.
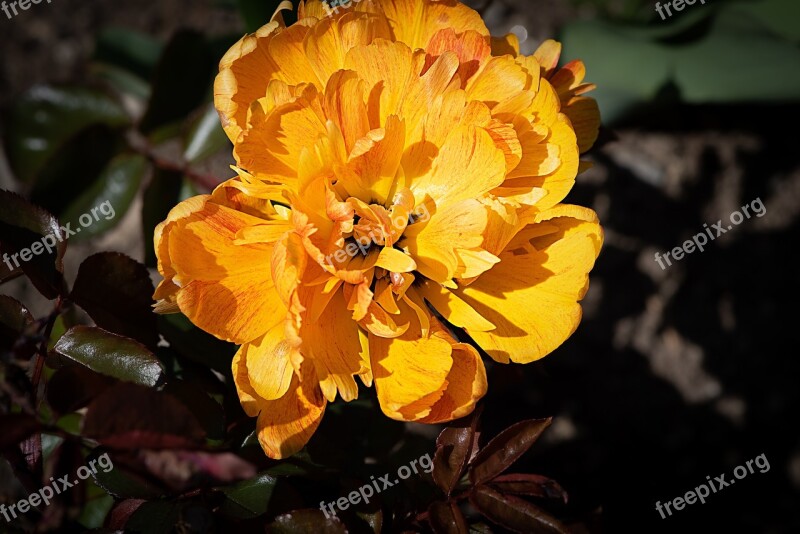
(673, 375)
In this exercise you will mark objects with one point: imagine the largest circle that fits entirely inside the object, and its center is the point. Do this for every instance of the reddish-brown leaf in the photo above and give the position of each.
(446, 518)
(533, 485)
(453, 449)
(514, 513)
(505, 449)
(128, 416)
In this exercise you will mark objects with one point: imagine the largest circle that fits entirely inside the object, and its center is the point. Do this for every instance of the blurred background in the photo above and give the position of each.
(674, 375)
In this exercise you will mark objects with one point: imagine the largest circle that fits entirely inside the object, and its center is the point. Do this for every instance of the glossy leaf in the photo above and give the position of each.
(533, 485)
(248, 499)
(205, 137)
(505, 449)
(23, 228)
(46, 117)
(116, 292)
(453, 448)
(446, 518)
(134, 417)
(108, 199)
(111, 355)
(182, 80)
(306, 522)
(514, 513)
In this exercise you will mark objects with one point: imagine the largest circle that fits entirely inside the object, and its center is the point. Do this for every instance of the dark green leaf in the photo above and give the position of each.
(160, 196)
(250, 498)
(133, 51)
(446, 518)
(533, 485)
(111, 355)
(107, 200)
(514, 513)
(205, 137)
(46, 117)
(181, 82)
(134, 417)
(24, 228)
(120, 80)
(453, 448)
(74, 167)
(116, 291)
(505, 449)
(306, 522)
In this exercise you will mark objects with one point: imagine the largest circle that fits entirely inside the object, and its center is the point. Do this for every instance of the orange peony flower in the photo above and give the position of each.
(400, 178)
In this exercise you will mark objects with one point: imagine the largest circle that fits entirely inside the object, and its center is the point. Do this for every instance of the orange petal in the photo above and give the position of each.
(226, 289)
(332, 344)
(286, 424)
(416, 22)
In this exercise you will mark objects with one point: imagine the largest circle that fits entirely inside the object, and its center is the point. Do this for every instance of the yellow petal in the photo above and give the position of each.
(454, 309)
(269, 365)
(547, 55)
(466, 385)
(507, 44)
(532, 294)
(396, 261)
(467, 166)
(410, 372)
(433, 245)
